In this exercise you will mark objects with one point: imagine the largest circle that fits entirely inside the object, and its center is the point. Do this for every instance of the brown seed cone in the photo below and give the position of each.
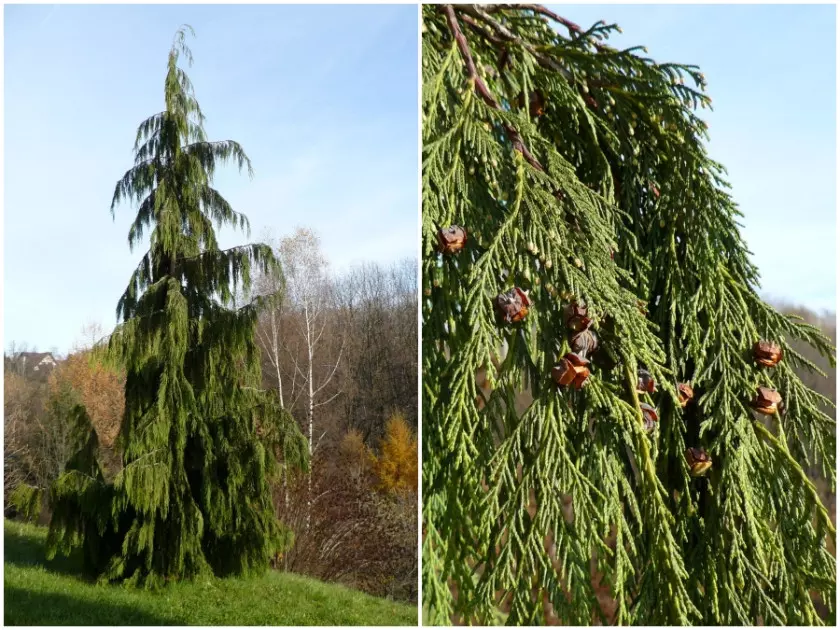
(654, 190)
(699, 461)
(512, 306)
(767, 401)
(572, 370)
(536, 102)
(646, 384)
(584, 343)
(576, 317)
(651, 417)
(452, 239)
(685, 393)
(767, 353)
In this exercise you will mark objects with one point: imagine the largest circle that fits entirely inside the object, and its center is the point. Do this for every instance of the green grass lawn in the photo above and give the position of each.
(40, 592)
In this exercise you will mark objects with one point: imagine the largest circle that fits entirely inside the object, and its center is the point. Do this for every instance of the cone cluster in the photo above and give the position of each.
(572, 369)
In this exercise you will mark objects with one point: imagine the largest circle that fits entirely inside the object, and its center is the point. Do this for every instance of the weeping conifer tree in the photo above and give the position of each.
(582, 252)
(199, 437)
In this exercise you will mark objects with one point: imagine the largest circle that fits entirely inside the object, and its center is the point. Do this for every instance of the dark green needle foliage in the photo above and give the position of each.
(580, 174)
(199, 440)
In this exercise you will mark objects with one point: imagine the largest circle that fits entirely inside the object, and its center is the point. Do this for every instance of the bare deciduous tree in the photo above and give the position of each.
(37, 435)
(379, 307)
(309, 291)
(341, 352)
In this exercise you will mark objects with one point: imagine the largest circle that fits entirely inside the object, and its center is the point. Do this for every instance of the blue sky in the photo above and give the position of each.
(322, 98)
(771, 75)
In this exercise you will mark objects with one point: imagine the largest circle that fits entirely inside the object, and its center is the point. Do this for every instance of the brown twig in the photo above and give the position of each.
(505, 33)
(538, 8)
(544, 61)
(497, 41)
(481, 87)
(541, 10)
(464, 48)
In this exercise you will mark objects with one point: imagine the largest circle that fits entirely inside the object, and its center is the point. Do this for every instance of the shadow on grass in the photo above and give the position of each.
(27, 608)
(29, 551)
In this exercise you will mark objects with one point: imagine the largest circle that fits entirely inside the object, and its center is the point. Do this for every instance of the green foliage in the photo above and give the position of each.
(27, 501)
(53, 593)
(602, 194)
(193, 491)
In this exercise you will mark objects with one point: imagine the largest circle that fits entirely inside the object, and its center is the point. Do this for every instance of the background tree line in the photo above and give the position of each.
(340, 351)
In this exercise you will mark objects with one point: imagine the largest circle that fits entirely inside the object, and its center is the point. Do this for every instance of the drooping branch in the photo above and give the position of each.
(481, 87)
(681, 524)
(796, 469)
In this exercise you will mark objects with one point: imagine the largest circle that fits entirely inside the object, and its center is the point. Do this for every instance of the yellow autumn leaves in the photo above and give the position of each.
(394, 467)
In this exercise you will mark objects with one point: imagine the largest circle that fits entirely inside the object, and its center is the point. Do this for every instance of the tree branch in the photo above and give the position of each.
(506, 34)
(541, 10)
(328, 400)
(335, 367)
(797, 469)
(481, 87)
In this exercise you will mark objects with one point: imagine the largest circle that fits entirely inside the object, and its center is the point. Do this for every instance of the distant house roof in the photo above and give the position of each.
(34, 364)
(37, 358)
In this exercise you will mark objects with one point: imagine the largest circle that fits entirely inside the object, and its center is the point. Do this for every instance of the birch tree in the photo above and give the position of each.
(309, 292)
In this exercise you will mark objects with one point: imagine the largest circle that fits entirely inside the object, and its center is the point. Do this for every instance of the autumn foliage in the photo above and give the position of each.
(363, 526)
(393, 469)
(100, 388)
(396, 465)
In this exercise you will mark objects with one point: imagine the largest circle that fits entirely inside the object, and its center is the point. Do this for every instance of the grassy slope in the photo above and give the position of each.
(38, 592)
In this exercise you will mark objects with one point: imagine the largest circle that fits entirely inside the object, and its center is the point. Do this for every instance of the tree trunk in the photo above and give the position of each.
(276, 350)
(310, 412)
